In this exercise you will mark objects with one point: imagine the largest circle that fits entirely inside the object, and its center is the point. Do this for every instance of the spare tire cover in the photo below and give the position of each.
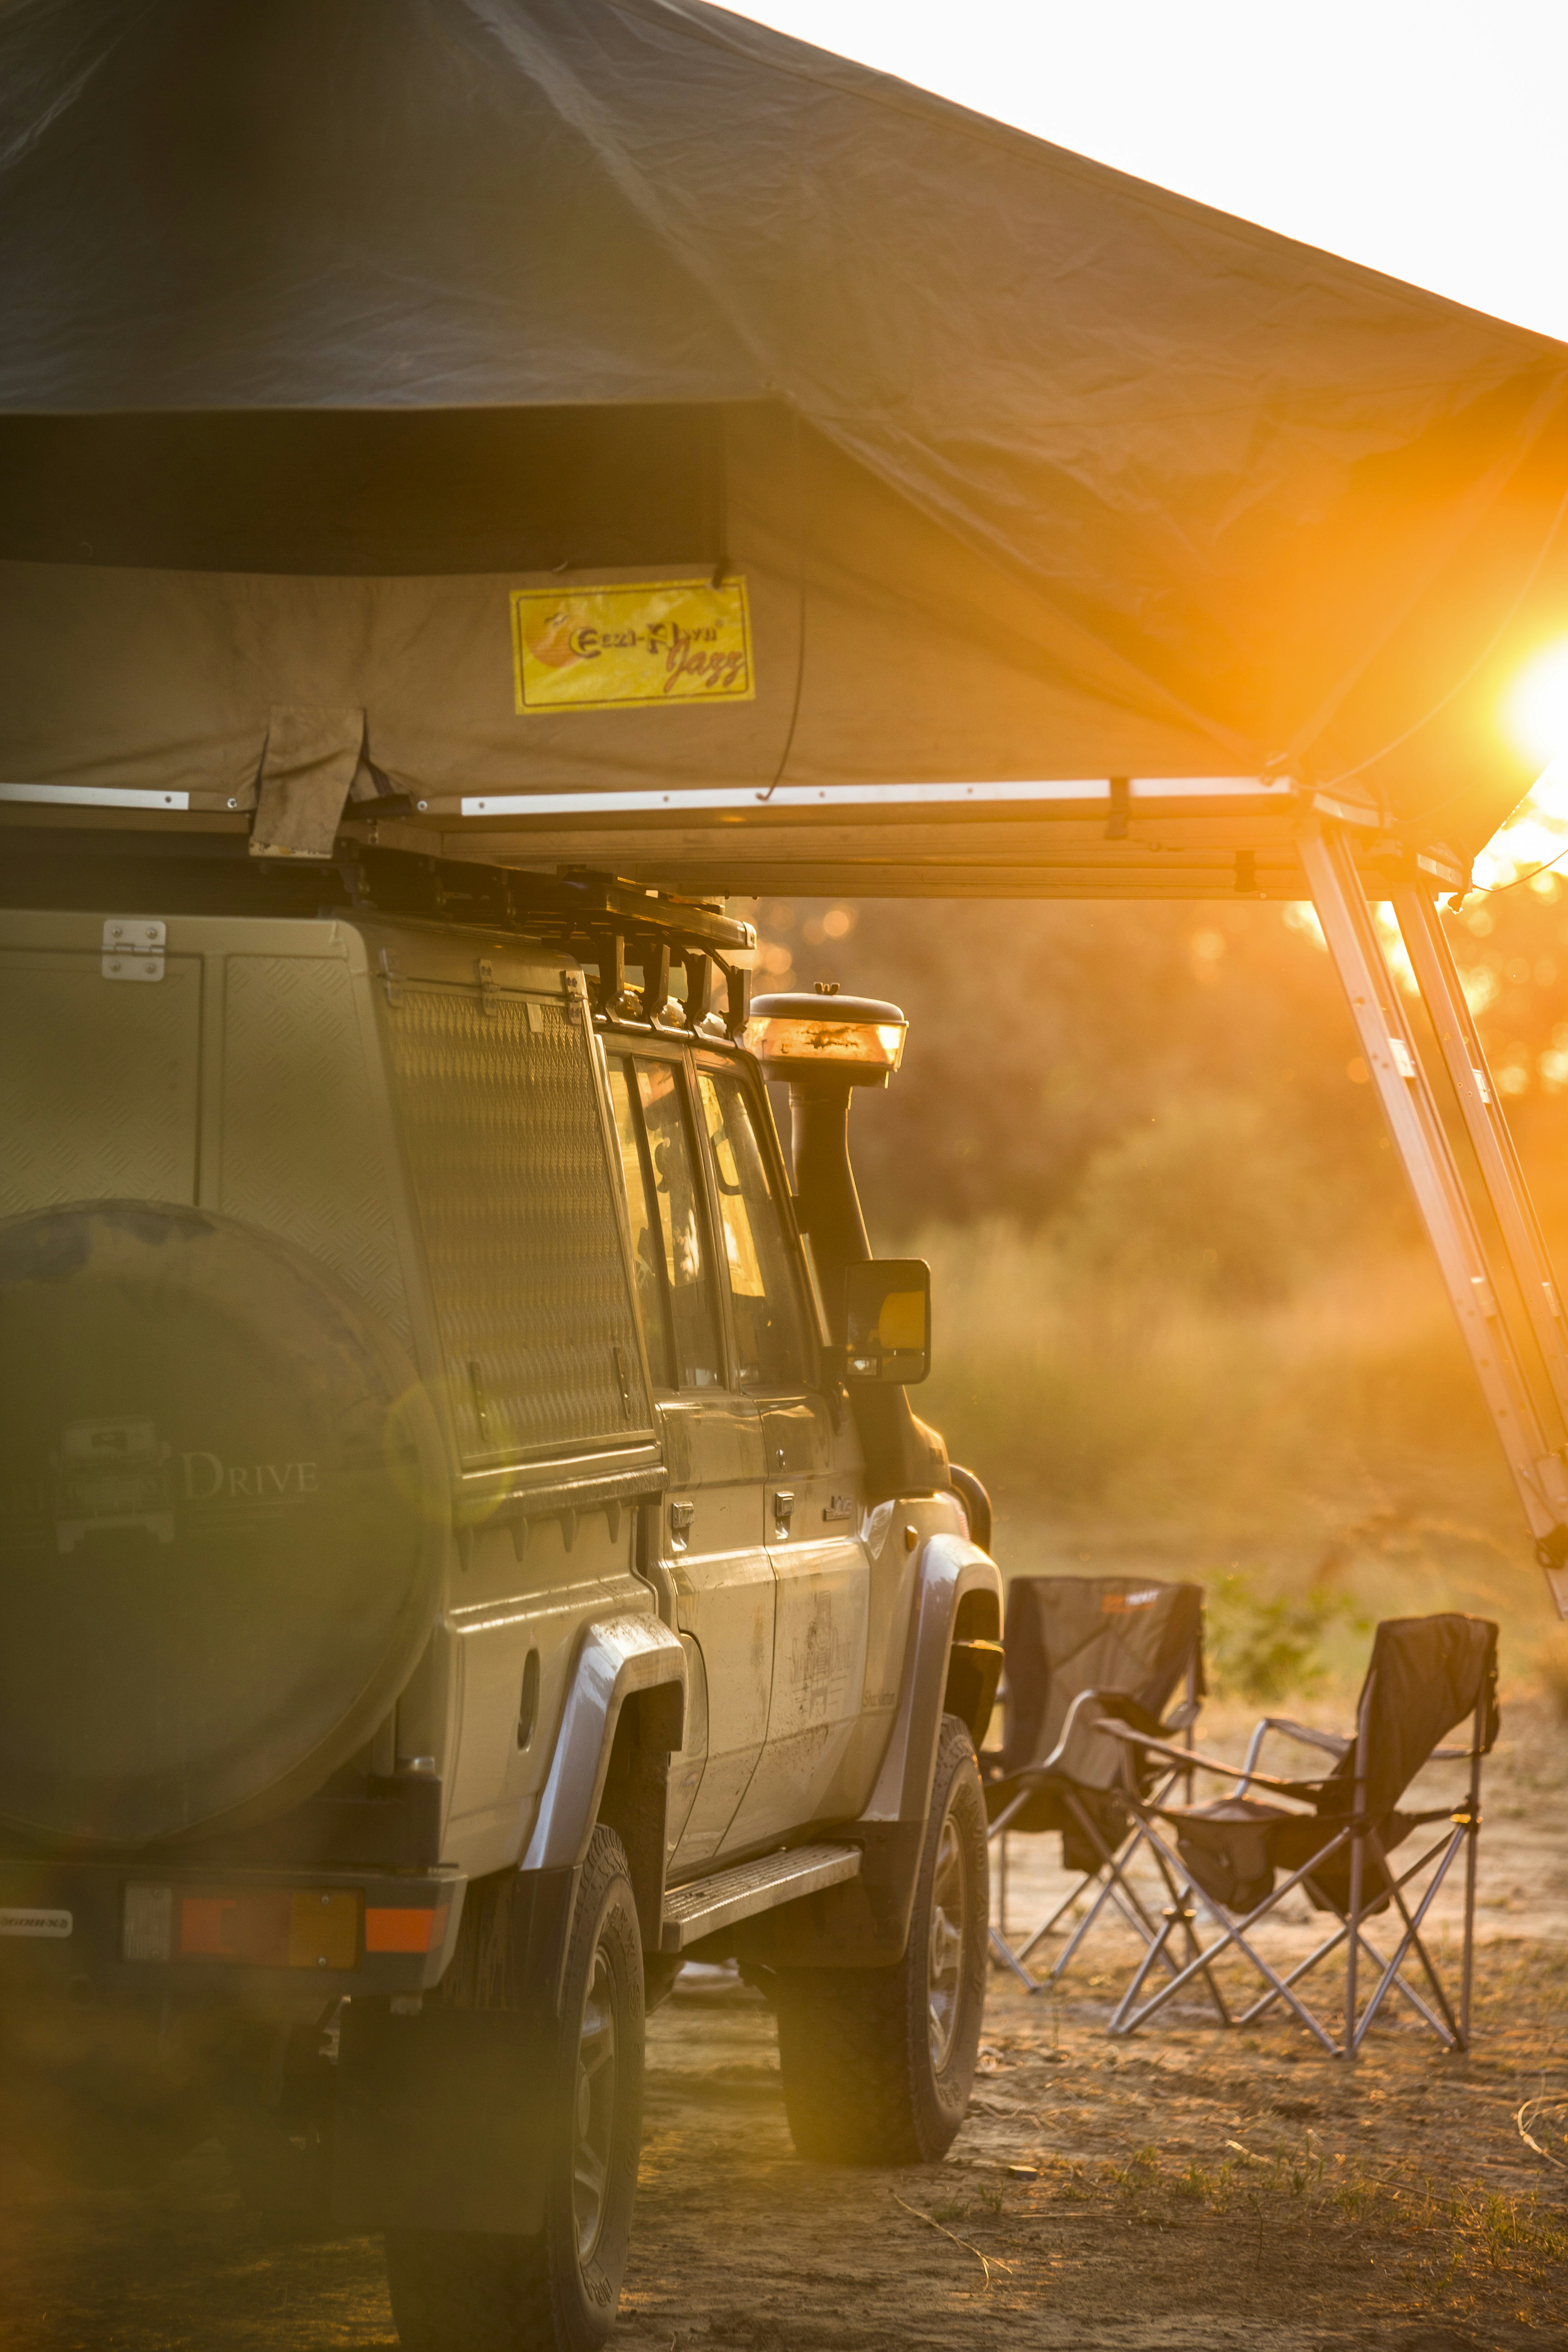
(222, 1497)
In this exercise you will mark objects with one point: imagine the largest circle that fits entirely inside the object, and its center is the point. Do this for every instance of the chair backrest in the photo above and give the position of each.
(1065, 1634)
(1426, 1674)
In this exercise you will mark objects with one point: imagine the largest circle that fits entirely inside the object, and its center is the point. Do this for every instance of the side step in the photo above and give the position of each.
(692, 1912)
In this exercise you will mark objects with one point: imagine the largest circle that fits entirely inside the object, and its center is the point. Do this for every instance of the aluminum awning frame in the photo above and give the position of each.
(1117, 837)
(1496, 1269)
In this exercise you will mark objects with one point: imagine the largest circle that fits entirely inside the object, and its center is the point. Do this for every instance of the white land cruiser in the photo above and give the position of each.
(465, 1548)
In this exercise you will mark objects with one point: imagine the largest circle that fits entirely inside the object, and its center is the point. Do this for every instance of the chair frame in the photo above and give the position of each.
(1465, 1818)
(1115, 1888)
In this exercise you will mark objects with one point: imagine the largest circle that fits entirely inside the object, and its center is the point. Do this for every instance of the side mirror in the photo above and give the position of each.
(888, 1318)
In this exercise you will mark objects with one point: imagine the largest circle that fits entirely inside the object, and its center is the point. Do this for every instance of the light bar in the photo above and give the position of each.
(758, 800)
(858, 1038)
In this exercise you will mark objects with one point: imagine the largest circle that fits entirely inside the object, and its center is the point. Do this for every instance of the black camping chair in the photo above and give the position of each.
(1077, 1648)
(1333, 1837)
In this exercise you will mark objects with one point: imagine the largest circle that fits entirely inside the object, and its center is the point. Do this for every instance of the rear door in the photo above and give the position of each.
(98, 1075)
(813, 1489)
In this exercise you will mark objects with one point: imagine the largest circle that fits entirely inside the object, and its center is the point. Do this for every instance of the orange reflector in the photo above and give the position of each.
(404, 1929)
(268, 1927)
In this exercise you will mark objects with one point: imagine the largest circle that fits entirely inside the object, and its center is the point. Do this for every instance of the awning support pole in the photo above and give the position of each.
(1389, 1049)
(1456, 1032)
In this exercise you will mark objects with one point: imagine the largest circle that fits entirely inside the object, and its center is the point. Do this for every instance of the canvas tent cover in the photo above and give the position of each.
(1034, 525)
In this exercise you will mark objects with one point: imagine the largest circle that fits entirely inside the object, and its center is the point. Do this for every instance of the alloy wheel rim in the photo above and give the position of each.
(944, 1974)
(593, 2108)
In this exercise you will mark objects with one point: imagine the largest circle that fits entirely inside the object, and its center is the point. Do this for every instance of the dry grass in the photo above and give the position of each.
(1332, 1442)
(1094, 1391)
(1451, 2235)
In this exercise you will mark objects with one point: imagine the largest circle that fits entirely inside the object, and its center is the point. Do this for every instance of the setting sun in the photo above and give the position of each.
(1538, 707)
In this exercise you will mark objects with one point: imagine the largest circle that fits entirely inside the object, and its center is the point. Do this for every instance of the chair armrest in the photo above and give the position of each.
(1332, 1743)
(1189, 1758)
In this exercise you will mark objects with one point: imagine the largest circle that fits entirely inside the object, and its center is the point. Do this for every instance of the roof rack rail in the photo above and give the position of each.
(608, 923)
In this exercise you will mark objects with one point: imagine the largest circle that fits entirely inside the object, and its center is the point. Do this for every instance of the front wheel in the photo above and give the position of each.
(878, 2063)
(456, 2291)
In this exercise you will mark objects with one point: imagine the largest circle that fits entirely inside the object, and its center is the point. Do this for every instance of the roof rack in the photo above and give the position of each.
(605, 921)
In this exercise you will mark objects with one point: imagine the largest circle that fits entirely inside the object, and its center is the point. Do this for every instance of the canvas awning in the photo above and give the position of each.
(606, 432)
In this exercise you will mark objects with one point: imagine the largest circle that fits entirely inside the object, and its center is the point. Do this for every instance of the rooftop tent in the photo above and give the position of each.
(606, 433)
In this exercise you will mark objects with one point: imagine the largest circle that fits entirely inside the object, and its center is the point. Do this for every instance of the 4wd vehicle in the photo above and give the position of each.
(466, 1548)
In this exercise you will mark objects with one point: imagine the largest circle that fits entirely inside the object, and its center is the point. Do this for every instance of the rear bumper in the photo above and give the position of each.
(246, 1933)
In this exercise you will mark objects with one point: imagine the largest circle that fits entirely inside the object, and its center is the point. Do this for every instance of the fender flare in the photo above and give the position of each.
(619, 1656)
(950, 1569)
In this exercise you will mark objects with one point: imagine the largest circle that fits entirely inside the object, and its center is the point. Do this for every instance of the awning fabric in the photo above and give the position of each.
(333, 326)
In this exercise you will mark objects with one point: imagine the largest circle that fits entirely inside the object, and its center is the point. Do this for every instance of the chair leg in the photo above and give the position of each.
(1112, 1863)
(1406, 1992)
(1472, 1857)
(1003, 1952)
(1231, 1932)
(1411, 1941)
(1179, 1912)
(1261, 2007)
(1468, 1949)
(1353, 1945)
(1065, 1906)
(1145, 1967)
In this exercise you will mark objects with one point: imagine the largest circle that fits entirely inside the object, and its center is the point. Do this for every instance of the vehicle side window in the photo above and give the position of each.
(769, 1341)
(680, 1224)
(502, 1123)
(648, 1248)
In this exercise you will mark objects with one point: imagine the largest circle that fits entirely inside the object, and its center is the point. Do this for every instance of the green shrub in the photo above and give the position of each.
(1269, 1649)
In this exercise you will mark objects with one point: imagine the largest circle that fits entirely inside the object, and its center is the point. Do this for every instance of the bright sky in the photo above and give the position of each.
(1424, 137)
(1428, 138)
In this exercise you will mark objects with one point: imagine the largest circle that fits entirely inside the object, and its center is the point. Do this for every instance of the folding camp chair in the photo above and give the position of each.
(1426, 1674)
(1076, 1648)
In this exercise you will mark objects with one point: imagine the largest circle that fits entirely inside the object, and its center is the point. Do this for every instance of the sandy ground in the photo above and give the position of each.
(1188, 2190)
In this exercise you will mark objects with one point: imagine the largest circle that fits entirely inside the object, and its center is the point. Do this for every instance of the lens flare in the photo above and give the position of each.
(1538, 707)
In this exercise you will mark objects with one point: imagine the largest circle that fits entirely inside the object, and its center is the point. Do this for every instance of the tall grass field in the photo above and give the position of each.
(1326, 1447)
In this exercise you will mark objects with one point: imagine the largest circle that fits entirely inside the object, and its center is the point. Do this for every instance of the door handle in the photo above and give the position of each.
(680, 1518)
(784, 1510)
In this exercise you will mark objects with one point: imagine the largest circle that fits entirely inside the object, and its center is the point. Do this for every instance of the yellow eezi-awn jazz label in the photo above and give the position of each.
(653, 644)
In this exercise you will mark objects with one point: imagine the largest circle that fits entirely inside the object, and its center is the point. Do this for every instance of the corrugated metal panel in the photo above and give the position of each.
(97, 1082)
(301, 1154)
(507, 1150)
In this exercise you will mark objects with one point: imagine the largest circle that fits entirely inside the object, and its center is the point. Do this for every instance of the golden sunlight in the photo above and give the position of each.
(1538, 707)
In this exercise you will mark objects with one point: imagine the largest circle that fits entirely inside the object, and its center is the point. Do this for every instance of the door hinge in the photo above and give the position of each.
(133, 947)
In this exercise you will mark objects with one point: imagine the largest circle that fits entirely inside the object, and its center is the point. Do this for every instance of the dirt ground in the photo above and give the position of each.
(1188, 2190)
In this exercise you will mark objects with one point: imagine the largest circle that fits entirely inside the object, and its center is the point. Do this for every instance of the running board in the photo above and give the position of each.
(693, 1912)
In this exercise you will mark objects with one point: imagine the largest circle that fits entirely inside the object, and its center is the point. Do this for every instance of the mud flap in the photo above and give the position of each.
(443, 2120)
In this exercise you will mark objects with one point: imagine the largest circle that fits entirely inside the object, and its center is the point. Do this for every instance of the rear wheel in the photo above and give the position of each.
(456, 2291)
(878, 2063)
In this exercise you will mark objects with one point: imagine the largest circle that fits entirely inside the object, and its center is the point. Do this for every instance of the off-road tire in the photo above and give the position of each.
(458, 2290)
(862, 2082)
